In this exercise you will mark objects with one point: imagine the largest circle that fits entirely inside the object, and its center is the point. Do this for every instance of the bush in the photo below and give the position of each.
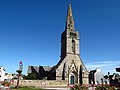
(31, 76)
(6, 83)
(78, 87)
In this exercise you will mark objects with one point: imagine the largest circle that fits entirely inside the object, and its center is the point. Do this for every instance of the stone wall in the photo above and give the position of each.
(41, 83)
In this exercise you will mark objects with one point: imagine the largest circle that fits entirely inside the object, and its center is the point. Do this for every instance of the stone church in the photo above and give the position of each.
(70, 67)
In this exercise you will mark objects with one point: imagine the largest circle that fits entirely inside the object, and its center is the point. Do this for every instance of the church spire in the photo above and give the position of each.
(69, 19)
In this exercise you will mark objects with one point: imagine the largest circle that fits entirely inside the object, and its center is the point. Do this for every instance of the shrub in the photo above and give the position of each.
(78, 87)
(6, 83)
(31, 76)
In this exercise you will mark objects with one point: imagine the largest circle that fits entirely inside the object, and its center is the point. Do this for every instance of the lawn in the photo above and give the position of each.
(27, 88)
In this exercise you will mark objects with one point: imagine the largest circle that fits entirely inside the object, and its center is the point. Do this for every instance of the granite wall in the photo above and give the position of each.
(41, 83)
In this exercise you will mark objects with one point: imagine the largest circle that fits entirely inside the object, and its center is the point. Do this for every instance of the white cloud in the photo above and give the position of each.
(105, 66)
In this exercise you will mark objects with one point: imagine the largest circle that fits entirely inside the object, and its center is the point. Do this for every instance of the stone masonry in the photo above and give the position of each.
(71, 67)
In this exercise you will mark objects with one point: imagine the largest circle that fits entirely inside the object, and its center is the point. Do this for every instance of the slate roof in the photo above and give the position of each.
(29, 69)
(37, 68)
(47, 68)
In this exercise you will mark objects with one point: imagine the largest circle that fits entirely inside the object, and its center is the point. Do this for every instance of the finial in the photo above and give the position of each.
(69, 10)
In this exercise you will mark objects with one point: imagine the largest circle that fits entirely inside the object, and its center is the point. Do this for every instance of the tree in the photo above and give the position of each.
(31, 76)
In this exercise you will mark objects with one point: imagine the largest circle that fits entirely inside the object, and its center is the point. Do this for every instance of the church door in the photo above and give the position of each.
(72, 80)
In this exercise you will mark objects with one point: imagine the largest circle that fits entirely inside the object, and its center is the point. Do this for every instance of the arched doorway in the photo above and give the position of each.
(72, 78)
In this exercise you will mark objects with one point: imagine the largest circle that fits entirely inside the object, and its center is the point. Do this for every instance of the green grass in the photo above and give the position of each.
(27, 88)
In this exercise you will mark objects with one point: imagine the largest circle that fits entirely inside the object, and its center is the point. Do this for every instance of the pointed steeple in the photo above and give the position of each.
(69, 19)
(69, 10)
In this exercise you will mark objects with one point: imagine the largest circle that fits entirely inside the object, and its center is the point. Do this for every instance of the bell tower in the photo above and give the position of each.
(70, 67)
(70, 37)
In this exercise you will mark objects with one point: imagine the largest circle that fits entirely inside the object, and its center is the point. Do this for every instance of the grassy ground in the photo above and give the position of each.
(27, 88)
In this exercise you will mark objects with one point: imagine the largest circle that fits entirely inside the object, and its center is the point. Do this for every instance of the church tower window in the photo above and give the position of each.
(73, 46)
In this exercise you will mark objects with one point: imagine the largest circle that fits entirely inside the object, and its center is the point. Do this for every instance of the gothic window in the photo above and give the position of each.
(73, 46)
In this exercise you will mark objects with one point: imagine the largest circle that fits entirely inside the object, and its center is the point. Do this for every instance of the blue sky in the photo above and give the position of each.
(30, 30)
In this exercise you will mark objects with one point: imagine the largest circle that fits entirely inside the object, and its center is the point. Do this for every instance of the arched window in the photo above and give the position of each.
(73, 46)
